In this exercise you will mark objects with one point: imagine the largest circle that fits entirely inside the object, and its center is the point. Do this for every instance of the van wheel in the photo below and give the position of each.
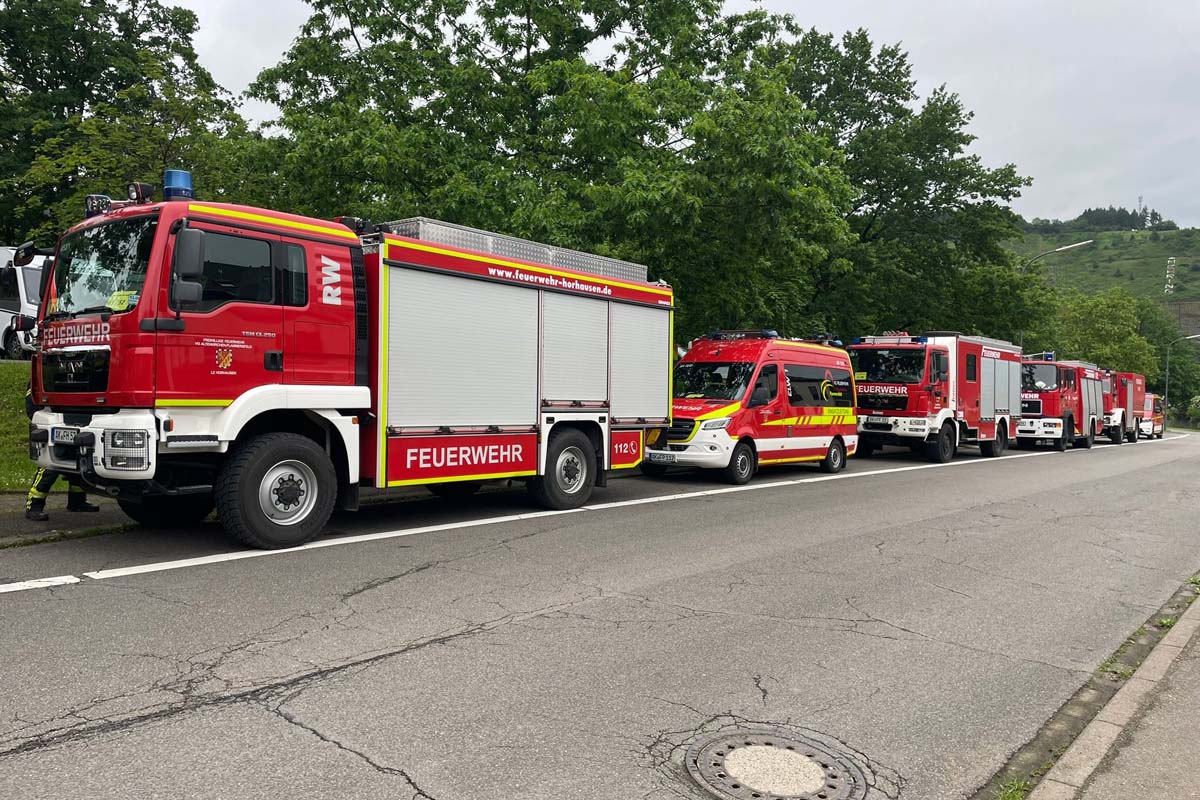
(835, 458)
(651, 470)
(277, 490)
(741, 464)
(454, 490)
(164, 511)
(941, 449)
(12, 347)
(570, 471)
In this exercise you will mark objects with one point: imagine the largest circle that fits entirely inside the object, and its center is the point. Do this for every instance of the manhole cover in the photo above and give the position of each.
(765, 764)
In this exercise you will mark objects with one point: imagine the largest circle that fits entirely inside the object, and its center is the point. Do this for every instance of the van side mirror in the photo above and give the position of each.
(759, 397)
(189, 254)
(24, 323)
(23, 255)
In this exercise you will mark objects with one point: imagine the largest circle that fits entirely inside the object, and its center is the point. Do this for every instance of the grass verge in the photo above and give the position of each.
(16, 469)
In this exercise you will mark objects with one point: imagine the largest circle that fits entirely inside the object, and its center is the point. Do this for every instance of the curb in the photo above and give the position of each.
(1070, 772)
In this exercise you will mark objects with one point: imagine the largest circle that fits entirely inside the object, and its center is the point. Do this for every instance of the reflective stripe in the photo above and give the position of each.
(283, 223)
(174, 403)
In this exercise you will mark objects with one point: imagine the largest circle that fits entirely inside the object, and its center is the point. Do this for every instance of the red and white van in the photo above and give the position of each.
(1154, 422)
(747, 399)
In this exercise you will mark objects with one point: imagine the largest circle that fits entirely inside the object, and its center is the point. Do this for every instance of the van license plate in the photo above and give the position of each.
(660, 458)
(64, 435)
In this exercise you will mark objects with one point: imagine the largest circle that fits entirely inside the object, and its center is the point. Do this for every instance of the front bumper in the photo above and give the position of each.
(1041, 428)
(706, 449)
(103, 459)
(895, 430)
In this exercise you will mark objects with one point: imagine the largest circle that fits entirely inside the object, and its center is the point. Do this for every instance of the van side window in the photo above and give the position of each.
(236, 269)
(295, 277)
(768, 379)
(972, 367)
(10, 299)
(817, 386)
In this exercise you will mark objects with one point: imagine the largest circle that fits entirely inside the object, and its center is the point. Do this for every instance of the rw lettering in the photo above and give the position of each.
(331, 281)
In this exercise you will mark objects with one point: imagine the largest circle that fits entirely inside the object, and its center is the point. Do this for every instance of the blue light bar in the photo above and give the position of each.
(177, 185)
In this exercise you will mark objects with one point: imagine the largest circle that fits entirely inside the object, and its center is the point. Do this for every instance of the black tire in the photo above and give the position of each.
(454, 490)
(1133, 435)
(742, 462)
(280, 470)
(652, 470)
(12, 347)
(865, 450)
(835, 458)
(1068, 438)
(996, 447)
(570, 471)
(165, 512)
(941, 449)
(1086, 441)
(1024, 444)
(1114, 434)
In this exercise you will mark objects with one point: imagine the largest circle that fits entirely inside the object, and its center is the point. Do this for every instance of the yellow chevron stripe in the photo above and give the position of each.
(341, 233)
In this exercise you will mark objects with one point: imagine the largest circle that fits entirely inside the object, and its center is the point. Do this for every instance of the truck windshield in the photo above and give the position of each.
(1038, 377)
(102, 268)
(716, 380)
(884, 365)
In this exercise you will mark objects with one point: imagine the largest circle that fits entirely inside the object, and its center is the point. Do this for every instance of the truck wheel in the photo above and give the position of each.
(741, 464)
(1088, 439)
(164, 511)
(277, 490)
(454, 490)
(941, 449)
(12, 347)
(997, 446)
(570, 471)
(835, 458)
(651, 470)
(1133, 435)
(1068, 436)
(1114, 434)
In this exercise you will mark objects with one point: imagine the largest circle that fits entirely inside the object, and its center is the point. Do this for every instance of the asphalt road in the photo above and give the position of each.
(930, 618)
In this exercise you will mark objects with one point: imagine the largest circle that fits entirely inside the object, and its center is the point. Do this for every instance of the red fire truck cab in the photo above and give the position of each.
(934, 392)
(197, 354)
(747, 399)
(1062, 402)
(1124, 405)
(1153, 420)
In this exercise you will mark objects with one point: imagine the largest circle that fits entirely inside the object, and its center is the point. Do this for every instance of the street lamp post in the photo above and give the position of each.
(1025, 266)
(1167, 388)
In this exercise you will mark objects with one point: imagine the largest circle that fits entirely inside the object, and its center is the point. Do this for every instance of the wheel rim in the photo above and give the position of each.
(570, 471)
(835, 456)
(287, 492)
(742, 466)
(947, 444)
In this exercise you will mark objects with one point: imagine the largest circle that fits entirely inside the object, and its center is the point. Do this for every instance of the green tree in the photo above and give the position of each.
(1103, 328)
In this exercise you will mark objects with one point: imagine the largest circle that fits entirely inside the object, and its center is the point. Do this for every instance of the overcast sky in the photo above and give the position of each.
(1096, 100)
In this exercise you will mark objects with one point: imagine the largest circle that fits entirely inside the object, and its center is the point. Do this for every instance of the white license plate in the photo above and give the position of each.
(64, 435)
(661, 458)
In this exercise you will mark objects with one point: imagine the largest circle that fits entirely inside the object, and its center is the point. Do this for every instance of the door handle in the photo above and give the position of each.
(273, 361)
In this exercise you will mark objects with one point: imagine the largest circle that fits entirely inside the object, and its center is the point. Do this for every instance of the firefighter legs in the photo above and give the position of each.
(43, 481)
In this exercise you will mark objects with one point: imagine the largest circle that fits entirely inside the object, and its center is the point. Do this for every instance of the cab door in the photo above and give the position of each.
(231, 341)
(766, 421)
(939, 380)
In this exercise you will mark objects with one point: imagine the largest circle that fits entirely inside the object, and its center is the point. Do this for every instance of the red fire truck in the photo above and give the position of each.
(1124, 404)
(1062, 402)
(200, 353)
(746, 399)
(934, 392)
(1153, 419)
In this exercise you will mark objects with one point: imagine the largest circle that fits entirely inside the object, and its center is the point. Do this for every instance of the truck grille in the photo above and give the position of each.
(681, 428)
(75, 371)
(1031, 408)
(883, 402)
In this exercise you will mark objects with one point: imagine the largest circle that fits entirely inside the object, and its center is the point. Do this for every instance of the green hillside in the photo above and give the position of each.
(1135, 260)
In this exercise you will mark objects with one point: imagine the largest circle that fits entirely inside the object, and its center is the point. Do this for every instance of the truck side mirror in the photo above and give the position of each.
(942, 375)
(759, 397)
(187, 293)
(189, 254)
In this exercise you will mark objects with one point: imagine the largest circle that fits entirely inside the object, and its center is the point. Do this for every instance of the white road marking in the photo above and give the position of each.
(217, 558)
(38, 583)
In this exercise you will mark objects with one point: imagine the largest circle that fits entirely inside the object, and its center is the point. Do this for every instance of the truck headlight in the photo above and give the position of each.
(127, 449)
(716, 424)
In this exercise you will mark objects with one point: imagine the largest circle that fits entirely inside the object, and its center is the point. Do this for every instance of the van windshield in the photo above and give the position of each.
(888, 365)
(1038, 377)
(714, 380)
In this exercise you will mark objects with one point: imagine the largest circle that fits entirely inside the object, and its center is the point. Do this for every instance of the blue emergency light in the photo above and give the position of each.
(177, 185)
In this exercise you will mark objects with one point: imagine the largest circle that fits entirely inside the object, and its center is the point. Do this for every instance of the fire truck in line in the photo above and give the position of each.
(1124, 404)
(935, 392)
(746, 399)
(1154, 422)
(1062, 402)
(198, 354)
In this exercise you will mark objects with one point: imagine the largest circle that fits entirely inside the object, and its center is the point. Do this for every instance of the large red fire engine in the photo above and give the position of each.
(746, 399)
(1062, 402)
(937, 391)
(1124, 405)
(196, 353)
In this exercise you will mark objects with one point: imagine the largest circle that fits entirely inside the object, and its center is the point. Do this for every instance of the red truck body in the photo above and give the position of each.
(937, 391)
(1124, 405)
(198, 353)
(1062, 402)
